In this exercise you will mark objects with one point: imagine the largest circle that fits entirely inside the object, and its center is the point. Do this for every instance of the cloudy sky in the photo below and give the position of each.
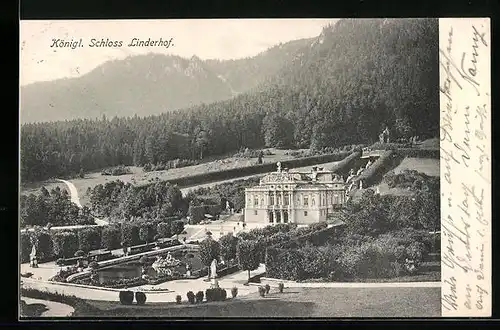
(223, 39)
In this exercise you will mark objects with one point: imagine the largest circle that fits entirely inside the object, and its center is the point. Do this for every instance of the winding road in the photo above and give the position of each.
(75, 199)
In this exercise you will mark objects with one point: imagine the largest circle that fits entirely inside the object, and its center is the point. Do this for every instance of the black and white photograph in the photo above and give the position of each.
(252, 168)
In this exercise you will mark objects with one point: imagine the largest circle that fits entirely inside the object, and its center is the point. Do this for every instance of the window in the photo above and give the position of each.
(287, 200)
(255, 212)
(313, 201)
(271, 200)
(279, 199)
(262, 201)
(306, 201)
(286, 187)
(256, 201)
(305, 213)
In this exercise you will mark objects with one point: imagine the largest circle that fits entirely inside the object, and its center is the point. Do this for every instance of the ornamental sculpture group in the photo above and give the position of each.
(163, 265)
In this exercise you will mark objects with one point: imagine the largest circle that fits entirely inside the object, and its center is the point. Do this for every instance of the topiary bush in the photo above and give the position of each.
(126, 297)
(178, 299)
(281, 286)
(140, 298)
(199, 296)
(268, 288)
(215, 294)
(191, 297)
(234, 292)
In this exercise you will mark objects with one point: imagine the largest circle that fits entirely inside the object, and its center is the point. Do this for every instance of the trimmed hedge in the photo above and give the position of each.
(140, 298)
(89, 239)
(65, 244)
(216, 294)
(255, 169)
(126, 297)
(384, 257)
(111, 237)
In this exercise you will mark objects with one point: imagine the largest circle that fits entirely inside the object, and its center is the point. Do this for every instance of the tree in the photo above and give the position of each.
(196, 213)
(228, 244)
(146, 233)
(248, 256)
(209, 250)
(130, 234)
(111, 237)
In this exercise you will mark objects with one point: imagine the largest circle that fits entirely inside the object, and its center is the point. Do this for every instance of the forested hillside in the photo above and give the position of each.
(357, 77)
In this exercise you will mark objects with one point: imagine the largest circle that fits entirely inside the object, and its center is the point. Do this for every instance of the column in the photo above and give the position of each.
(282, 214)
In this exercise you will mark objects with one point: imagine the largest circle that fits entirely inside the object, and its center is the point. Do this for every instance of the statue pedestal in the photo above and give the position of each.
(214, 284)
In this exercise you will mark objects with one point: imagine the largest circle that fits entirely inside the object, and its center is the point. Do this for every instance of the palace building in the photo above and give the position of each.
(297, 197)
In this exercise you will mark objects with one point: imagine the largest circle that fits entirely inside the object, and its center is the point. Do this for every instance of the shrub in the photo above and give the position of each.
(268, 288)
(126, 297)
(178, 299)
(234, 292)
(191, 297)
(199, 296)
(79, 253)
(281, 286)
(146, 232)
(130, 234)
(93, 265)
(140, 298)
(262, 291)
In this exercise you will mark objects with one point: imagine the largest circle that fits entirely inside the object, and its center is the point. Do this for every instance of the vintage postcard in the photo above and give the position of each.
(228, 168)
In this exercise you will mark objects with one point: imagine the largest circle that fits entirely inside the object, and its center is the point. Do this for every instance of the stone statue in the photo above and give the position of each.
(213, 269)
(228, 207)
(33, 259)
(360, 184)
(278, 164)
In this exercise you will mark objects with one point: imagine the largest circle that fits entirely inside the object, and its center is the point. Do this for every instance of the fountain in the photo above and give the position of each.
(163, 265)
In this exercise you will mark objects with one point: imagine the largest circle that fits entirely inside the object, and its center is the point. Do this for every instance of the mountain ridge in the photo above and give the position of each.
(149, 84)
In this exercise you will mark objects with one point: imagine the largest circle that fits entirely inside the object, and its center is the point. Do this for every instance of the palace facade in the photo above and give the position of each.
(297, 197)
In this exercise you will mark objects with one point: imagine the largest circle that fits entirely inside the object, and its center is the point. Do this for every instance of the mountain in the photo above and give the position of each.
(149, 84)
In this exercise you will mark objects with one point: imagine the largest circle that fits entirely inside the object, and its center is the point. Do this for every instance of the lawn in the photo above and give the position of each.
(429, 166)
(294, 302)
(139, 177)
(32, 310)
